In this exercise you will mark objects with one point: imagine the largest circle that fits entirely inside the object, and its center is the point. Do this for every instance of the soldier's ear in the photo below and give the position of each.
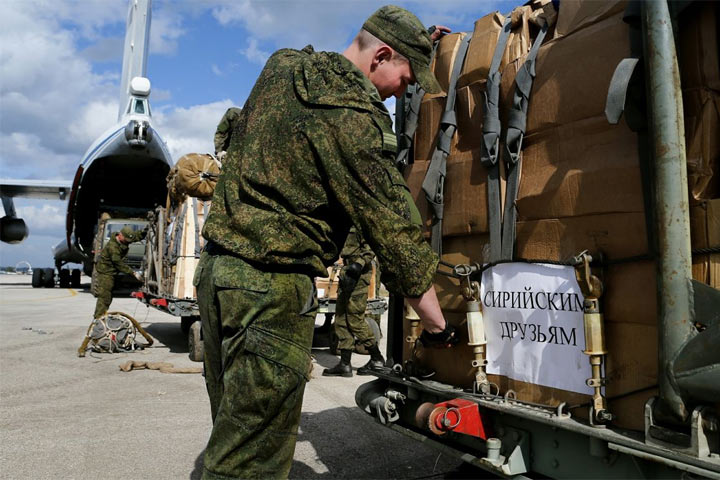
(383, 53)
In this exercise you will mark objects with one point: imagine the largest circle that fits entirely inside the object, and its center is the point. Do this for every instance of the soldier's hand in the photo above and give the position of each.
(221, 155)
(445, 339)
(350, 276)
(354, 270)
(139, 278)
(437, 31)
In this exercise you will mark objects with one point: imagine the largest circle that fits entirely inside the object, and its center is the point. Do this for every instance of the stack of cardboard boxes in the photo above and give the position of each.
(582, 182)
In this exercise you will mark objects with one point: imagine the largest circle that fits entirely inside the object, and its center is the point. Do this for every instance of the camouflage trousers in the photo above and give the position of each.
(102, 289)
(257, 331)
(350, 324)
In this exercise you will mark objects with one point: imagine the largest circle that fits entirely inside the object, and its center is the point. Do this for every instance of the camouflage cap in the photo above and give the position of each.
(127, 231)
(405, 34)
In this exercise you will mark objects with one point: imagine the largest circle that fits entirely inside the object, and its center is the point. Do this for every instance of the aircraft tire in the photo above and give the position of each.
(196, 350)
(37, 278)
(75, 278)
(49, 277)
(64, 278)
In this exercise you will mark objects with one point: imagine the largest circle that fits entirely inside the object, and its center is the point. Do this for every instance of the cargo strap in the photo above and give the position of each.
(491, 141)
(410, 110)
(434, 182)
(517, 119)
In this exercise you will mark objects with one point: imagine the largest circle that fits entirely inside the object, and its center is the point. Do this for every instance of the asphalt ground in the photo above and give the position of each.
(65, 417)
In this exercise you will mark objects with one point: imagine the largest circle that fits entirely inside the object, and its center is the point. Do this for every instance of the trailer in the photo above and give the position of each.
(579, 245)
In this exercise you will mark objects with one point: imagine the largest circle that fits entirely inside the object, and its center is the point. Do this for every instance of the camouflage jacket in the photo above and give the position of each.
(110, 261)
(225, 129)
(314, 155)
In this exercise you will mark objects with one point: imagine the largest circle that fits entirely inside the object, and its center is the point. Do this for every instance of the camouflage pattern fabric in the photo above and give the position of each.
(257, 328)
(350, 325)
(110, 263)
(102, 288)
(314, 155)
(111, 258)
(225, 129)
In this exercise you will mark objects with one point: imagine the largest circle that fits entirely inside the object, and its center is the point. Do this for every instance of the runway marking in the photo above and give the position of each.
(35, 300)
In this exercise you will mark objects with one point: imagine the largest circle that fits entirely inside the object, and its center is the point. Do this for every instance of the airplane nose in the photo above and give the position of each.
(138, 133)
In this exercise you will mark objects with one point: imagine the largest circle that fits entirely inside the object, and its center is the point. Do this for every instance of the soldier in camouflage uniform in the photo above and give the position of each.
(350, 324)
(224, 131)
(110, 263)
(312, 155)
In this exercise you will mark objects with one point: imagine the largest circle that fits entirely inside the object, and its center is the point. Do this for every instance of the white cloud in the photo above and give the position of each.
(166, 30)
(45, 218)
(216, 70)
(190, 130)
(255, 54)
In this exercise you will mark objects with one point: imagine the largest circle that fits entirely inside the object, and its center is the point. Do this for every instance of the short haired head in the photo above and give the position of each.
(403, 32)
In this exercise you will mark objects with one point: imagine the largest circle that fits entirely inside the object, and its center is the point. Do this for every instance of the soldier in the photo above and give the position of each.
(224, 131)
(350, 324)
(314, 156)
(110, 263)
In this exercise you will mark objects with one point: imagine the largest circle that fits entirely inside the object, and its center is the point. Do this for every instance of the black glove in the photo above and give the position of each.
(445, 339)
(350, 276)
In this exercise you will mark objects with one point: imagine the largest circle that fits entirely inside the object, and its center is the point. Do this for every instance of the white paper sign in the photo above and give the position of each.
(534, 325)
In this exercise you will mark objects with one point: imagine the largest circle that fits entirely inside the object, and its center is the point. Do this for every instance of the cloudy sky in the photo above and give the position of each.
(60, 63)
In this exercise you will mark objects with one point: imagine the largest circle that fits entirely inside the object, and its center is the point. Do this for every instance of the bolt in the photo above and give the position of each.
(515, 436)
(556, 444)
(555, 463)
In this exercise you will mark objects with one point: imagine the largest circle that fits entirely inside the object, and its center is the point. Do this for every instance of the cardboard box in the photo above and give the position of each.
(702, 142)
(519, 42)
(444, 59)
(469, 112)
(327, 287)
(698, 45)
(465, 191)
(431, 110)
(481, 49)
(577, 14)
(705, 233)
(583, 168)
(615, 235)
(573, 74)
(466, 249)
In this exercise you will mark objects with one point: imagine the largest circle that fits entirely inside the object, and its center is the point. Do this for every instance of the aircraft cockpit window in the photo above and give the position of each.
(139, 107)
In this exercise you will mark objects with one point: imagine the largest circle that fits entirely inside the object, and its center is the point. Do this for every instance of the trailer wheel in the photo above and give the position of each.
(37, 278)
(64, 278)
(49, 277)
(196, 350)
(75, 278)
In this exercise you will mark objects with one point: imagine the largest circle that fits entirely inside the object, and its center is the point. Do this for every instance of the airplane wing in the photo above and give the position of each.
(41, 189)
(12, 228)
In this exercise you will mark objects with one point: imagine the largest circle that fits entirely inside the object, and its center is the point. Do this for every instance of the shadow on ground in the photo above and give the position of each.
(169, 334)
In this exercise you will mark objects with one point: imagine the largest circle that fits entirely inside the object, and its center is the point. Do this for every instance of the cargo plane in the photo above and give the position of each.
(121, 176)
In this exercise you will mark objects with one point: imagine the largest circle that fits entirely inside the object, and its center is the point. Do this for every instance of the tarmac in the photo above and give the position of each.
(65, 417)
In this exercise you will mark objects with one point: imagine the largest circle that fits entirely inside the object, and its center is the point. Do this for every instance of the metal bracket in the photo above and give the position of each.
(517, 461)
(703, 441)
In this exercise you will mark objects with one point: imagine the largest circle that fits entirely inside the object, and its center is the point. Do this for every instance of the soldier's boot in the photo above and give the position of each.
(375, 364)
(343, 368)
